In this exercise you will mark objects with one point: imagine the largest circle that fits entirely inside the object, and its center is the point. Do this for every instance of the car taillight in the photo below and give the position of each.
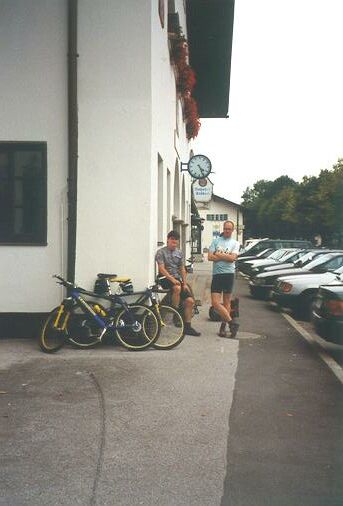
(285, 287)
(334, 307)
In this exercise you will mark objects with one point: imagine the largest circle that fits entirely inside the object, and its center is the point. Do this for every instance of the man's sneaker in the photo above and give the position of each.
(222, 330)
(191, 332)
(233, 329)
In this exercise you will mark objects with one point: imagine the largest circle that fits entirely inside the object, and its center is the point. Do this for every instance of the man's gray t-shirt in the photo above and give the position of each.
(172, 260)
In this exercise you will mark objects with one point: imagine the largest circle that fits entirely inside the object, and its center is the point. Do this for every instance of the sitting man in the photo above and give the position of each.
(171, 265)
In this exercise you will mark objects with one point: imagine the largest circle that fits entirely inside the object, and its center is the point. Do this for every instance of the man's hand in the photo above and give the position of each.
(175, 282)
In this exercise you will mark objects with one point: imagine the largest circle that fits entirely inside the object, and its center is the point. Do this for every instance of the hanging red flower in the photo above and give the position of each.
(186, 79)
(185, 82)
(191, 116)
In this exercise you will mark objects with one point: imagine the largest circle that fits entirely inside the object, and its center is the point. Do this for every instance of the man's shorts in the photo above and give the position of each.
(168, 285)
(222, 283)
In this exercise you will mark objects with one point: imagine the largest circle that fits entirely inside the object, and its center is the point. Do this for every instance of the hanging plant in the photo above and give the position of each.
(191, 117)
(180, 52)
(192, 129)
(186, 79)
(185, 82)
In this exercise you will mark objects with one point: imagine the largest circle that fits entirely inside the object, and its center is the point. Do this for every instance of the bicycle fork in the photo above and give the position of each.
(61, 319)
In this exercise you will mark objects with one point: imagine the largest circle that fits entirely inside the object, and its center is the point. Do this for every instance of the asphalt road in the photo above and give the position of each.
(251, 421)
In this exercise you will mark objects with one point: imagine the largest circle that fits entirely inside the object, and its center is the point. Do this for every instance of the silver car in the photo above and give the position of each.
(298, 292)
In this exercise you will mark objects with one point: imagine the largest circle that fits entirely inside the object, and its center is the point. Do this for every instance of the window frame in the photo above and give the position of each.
(40, 147)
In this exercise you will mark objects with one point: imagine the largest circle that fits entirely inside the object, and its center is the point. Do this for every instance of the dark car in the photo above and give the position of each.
(327, 313)
(261, 286)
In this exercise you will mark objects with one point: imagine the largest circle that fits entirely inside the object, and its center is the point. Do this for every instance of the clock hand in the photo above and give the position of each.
(201, 170)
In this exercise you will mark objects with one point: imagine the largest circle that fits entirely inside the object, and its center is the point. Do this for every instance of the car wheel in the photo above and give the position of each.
(305, 307)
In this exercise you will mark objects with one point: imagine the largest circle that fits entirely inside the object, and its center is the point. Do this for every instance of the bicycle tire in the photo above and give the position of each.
(52, 339)
(143, 338)
(171, 328)
(82, 330)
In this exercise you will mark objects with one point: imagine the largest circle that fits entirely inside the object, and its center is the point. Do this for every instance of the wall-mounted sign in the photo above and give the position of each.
(202, 190)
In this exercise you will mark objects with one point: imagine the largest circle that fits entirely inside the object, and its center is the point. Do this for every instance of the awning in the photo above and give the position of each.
(210, 28)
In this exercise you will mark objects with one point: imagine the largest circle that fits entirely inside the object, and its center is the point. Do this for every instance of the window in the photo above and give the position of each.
(23, 193)
(216, 217)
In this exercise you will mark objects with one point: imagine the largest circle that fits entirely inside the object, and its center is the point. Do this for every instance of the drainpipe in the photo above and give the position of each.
(237, 224)
(72, 137)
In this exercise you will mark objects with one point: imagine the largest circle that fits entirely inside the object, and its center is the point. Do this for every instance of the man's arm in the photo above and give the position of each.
(226, 257)
(163, 272)
(183, 274)
(212, 256)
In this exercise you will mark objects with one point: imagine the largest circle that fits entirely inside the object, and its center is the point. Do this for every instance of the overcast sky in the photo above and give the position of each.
(286, 95)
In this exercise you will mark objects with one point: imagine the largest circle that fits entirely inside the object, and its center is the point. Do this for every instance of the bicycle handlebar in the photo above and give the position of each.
(63, 282)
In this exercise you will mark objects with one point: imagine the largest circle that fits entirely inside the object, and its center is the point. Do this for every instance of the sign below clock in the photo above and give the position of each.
(202, 190)
(199, 166)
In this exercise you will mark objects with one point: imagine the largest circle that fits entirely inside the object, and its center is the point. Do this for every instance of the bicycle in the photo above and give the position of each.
(171, 325)
(85, 323)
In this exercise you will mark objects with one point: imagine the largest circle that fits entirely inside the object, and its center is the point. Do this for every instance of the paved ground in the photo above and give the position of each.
(254, 421)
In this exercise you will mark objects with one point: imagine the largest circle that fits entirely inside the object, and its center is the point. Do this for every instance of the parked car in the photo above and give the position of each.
(264, 254)
(299, 258)
(298, 292)
(282, 292)
(327, 313)
(275, 244)
(288, 260)
(248, 266)
(261, 286)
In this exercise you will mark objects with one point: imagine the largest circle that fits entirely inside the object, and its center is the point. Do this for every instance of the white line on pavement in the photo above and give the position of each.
(329, 361)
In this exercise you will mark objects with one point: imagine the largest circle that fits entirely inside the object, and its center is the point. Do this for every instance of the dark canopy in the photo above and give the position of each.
(210, 27)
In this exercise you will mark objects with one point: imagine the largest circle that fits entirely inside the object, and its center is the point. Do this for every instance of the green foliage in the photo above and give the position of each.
(287, 209)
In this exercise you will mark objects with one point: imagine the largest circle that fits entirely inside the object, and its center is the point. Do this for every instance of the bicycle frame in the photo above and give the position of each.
(75, 298)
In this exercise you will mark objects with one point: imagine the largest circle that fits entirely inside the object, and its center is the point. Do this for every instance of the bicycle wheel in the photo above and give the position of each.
(82, 330)
(144, 334)
(171, 331)
(53, 334)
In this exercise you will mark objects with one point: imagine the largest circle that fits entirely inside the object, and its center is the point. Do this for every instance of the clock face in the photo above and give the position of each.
(199, 166)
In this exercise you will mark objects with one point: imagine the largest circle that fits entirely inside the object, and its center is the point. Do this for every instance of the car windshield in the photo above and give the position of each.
(265, 253)
(307, 257)
(337, 271)
(278, 254)
(318, 261)
(249, 246)
(290, 255)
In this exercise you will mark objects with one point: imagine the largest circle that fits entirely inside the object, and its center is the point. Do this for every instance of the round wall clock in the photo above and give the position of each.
(199, 166)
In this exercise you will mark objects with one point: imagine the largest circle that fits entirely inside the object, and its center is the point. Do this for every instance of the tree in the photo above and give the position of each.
(285, 208)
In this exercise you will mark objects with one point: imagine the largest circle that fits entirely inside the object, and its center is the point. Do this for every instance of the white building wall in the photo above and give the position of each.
(128, 110)
(115, 189)
(168, 134)
(234, 214)
(33, 105)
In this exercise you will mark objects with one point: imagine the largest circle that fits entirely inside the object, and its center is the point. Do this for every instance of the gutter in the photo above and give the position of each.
(72, 137)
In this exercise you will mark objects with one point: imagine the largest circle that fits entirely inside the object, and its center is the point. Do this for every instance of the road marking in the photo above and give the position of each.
(329, 361)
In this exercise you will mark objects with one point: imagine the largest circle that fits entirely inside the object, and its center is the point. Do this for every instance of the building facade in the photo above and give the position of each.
(92, 138)
(213, 215)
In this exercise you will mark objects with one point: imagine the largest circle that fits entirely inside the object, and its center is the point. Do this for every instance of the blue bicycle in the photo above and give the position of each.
(85, 323)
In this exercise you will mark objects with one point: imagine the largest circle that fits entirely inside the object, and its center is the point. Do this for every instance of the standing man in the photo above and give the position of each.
(171, 265)
(223, 252)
